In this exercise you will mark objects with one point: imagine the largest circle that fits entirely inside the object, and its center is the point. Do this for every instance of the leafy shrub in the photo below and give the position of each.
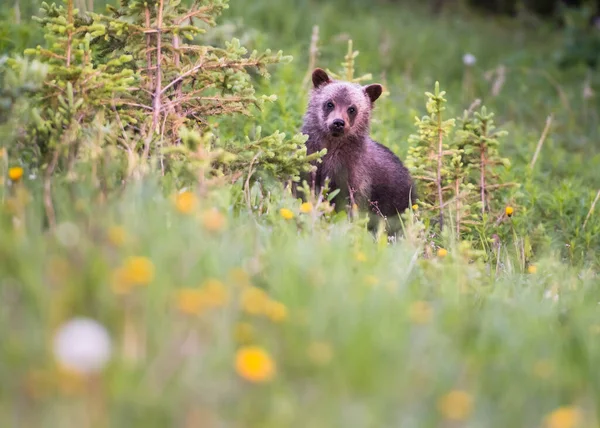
(138, 87)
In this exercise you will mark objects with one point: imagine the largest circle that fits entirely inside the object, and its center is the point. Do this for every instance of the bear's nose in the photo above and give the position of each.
(338, 123)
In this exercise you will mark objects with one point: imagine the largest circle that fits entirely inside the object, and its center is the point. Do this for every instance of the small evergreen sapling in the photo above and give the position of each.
(430, 154)
(458, 170)
(140, 80)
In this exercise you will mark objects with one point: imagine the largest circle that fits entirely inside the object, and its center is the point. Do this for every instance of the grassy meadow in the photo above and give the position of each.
(223, 305)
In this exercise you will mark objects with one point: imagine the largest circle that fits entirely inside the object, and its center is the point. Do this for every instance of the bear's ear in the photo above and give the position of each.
(373, 91)
(320, 77)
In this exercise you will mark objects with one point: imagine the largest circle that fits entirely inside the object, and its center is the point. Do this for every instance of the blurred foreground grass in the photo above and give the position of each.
(215, 320)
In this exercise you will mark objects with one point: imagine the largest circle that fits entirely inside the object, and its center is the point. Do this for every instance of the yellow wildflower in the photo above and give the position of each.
(420, 312)
(140, 270)
(543, 369)
(286, 214)
(563, 417)
(244, 332)
(213, 220)
(254, 364)
(215, 292)
(212, 294)
(190, 301)
(360, 256)
(117, 236)
(15, 173)
(532, 269)
(306, 207)
(371, 280)
(185, 202)
(509, 211)
(415, 207)
(135, 271)
(276, 311)
(456, 405)
(442, 252)
(320, 353)
(254, 300)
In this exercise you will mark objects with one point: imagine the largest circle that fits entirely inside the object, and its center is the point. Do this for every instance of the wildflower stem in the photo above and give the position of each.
(591, 209)
(541, 141)
(313, 52)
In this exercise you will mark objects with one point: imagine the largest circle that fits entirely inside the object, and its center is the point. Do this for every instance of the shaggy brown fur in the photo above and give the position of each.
(366, 172)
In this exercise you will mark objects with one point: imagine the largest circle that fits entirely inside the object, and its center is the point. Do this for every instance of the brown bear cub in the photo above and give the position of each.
(366, 173)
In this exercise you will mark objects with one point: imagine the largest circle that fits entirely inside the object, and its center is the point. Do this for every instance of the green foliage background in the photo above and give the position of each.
(516, 330)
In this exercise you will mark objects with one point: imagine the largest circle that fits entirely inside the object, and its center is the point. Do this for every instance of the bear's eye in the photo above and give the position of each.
(351, 110)
(329, 105)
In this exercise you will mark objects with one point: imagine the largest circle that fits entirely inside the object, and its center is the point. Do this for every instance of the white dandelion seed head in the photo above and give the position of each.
(82, 345)
(469, 59)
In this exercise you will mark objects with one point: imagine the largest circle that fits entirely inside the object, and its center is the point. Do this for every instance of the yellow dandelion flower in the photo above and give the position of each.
(509, 211)
(215, 293)
(532, 269)
(254, 364)
(442, 252)
(185, 202)
(244, 332)
(306, 207)
(543, 369)
(415, 207)
(320, 353)
(563, 417)
(135, 271)
(213, 220)
(190, 301)
(254, 300)
(371, 280)
(286, 214)
(456, 405)
(276, 311)
(15, 173)
(360, 257)
(420, 312)
(140, 270)
(117, 236)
